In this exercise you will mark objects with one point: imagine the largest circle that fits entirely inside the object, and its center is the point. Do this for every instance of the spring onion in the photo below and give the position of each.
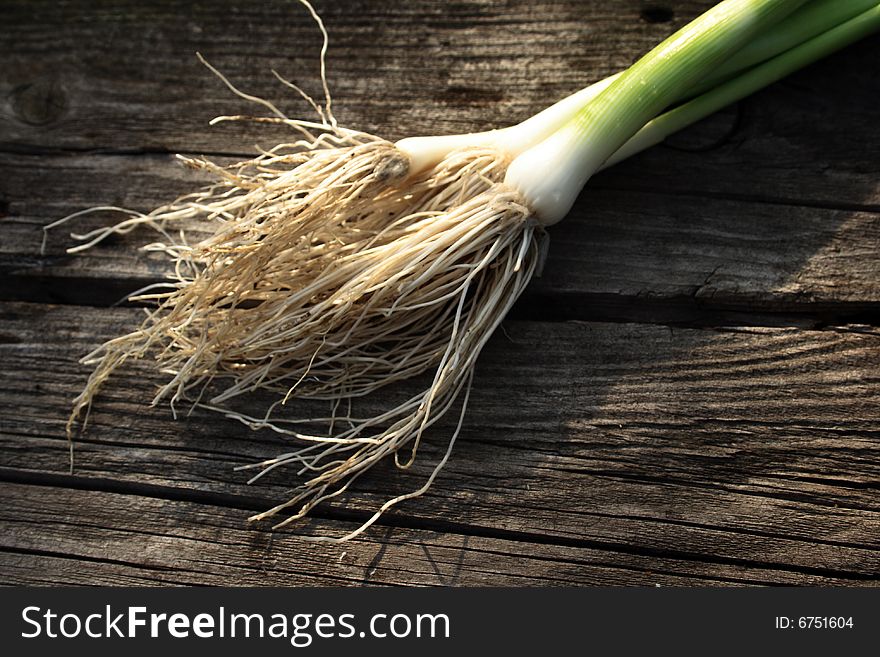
(340, 263)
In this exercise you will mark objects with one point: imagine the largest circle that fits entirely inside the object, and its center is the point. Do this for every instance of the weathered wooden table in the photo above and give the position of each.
(688, 396)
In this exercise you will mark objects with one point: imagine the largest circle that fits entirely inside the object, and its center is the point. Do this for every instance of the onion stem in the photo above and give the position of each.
(340, 263)
(808, 21)
(566, 160)
(749, 82)
(814, 18)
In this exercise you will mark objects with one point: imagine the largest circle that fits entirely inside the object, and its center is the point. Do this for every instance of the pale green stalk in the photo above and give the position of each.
(749, 82)
(641, 92)
(815, 17)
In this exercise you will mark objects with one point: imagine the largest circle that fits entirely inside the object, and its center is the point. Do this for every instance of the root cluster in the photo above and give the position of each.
(330, 271)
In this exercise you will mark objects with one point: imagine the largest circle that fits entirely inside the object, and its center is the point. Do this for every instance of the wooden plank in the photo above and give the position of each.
(642, 256)
(53, 536)
(123, 77)
(767, 213)
(751, 447)
(593, 453)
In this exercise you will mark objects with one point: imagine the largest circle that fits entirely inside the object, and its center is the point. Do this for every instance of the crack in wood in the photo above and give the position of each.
(412, 522)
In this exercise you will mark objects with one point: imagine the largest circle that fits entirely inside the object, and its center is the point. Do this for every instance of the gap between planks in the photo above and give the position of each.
(397, 520)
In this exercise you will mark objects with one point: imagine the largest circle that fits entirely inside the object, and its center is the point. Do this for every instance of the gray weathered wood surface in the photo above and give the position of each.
(688, 396)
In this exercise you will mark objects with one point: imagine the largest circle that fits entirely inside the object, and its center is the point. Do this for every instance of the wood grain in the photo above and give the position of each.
(766, 213)
(755, 446)
(688, 396)
(123, 78)
(124, 75)
(638, 256)
(55, 535)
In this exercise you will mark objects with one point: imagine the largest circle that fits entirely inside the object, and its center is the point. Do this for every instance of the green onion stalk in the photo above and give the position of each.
(340, 264)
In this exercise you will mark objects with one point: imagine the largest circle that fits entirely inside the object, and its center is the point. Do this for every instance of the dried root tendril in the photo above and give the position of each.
(328, 272)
